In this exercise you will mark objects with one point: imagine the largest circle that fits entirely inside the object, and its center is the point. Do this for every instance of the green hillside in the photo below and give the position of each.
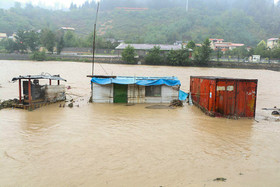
(247, 21)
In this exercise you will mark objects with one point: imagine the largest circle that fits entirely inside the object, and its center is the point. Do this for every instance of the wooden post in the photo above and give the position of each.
(29, 92)
(58, 82)
(50, 82)
(19, 84)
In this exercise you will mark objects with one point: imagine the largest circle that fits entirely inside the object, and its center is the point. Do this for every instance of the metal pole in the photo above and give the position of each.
(29, 92)
(94, 35)
(19, 84)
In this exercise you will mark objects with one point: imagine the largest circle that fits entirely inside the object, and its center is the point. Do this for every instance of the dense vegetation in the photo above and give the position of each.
(165, 21)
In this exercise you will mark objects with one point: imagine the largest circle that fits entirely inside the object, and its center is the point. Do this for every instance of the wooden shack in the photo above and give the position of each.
(228, 97)
(33, 95)
(121, 89)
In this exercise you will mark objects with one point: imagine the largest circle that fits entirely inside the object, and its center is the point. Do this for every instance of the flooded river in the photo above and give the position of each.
(118, 145)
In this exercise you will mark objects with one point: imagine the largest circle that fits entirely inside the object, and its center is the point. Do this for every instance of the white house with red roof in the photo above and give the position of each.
(220, 44)
(272, 42)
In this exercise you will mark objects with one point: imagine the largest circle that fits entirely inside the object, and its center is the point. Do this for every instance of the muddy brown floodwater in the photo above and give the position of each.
(118, 145)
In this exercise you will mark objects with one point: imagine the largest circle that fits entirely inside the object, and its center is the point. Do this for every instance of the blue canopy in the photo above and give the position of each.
(143, 81)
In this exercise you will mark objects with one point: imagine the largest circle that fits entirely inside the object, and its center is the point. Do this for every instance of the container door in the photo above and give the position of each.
(220, 98)
(120, 93)
(241, 99)
(251, 92)
(212, 95)
(230, 98)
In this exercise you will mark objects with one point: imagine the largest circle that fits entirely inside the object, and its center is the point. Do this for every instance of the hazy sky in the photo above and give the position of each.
(51, 3)
(57, 4)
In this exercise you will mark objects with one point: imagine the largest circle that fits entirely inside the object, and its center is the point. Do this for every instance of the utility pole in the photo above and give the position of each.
(94, 36)
(187, 6)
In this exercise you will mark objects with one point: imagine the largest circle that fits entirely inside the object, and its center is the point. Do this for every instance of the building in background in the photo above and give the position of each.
(272, 42)
(143, 49)
(219, 44)
(3, 36)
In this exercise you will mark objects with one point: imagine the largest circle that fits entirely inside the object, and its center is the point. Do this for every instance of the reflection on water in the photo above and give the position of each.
(118, 145)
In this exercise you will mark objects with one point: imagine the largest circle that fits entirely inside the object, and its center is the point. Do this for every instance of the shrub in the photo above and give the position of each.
(39, 56)
(128, 54)
(154, 56)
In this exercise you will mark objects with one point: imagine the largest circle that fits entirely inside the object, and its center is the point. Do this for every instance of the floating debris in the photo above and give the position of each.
(159, 107)
(176, 103)
(220, 179)
(8, 103)
(275, 113)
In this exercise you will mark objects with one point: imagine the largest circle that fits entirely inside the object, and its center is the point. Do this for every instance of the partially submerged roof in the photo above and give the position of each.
(151, 46)
(222, 78)
(43, 76)
(143, 81)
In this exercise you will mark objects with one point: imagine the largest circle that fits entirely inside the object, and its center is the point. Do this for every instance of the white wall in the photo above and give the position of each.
(55, 93)
(168, 94)
(135, 94)
(102, 93)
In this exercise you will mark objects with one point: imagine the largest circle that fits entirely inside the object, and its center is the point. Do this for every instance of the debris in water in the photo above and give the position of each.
(8, 103)
(159, 107)
(275, 113)
(70, 105)
(220, 179)
(176, 103)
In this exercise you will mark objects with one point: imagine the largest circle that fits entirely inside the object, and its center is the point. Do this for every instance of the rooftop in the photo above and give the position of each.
(222, 78)
(144, 81)
(273, 39)
(42, 76)
(163, 47)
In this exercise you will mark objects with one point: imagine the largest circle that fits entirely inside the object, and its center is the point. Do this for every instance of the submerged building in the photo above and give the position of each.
(120, 89)
(33, 95)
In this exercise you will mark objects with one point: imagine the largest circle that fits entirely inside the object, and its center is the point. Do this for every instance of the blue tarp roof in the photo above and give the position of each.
(143, 81)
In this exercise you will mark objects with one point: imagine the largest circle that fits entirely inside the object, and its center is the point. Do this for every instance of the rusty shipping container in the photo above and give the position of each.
(227, 97)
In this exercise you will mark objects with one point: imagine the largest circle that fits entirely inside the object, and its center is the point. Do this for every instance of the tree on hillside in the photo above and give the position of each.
(48, 39)
(128, 54)
(32, 40)
(261, 49)
(70, 39)
(9, 45)
(21, 41)
(178, 57)
(59, 45)
(154, 56)
(202, 54)
(191, 45)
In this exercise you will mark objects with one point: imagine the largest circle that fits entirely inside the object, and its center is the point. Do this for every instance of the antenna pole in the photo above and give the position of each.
(187, 5)
(94, 35)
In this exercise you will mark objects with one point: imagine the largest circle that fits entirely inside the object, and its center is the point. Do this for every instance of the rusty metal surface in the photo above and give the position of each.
(225, 96)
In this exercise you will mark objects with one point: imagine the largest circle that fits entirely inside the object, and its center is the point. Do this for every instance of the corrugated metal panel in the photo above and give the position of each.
(225, 96)
(102, 93)
(136, 94)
